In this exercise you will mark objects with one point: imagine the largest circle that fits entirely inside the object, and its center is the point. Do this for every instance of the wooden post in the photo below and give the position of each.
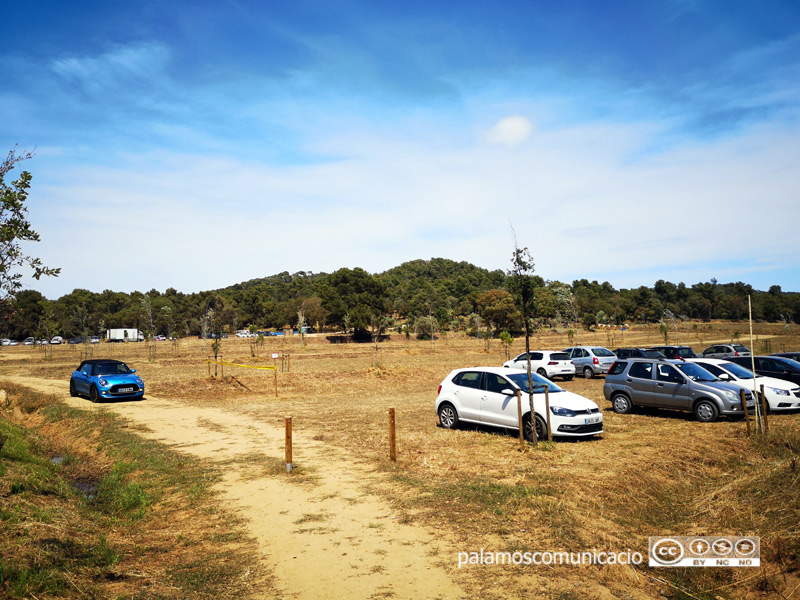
(222, 367)
(276, 381)
(288, 362)
(288, 446)
(547, 411)
(764, 410)
(744, 407)
(519, 420)
(392, 437)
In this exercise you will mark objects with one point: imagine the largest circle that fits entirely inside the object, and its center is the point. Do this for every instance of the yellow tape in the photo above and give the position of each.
(230, 364)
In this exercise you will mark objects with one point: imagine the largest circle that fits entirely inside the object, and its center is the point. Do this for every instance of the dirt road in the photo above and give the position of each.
(326, 536)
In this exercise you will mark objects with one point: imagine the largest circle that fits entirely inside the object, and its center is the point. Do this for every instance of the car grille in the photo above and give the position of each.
(590, 411)
(592, 428)
(797, 392)
(115, 389)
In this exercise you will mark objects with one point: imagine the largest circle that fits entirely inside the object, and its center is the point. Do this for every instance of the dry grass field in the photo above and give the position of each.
(651, 473)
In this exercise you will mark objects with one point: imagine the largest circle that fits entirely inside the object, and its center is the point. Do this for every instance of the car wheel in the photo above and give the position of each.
(72, 391)
(621, 404)
(541, 372)
(588, 373)
(448, 416)
(94, 396)
(706, 411)
(527, 430)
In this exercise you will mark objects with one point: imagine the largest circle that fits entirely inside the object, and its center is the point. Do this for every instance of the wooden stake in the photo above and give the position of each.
(392, 437)
(764, 410)
(288, 445)
(547, 411)
(276, 380)
(746, 415)
(519, 420)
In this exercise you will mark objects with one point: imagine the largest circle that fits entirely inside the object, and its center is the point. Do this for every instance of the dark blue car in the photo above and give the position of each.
(105, 379)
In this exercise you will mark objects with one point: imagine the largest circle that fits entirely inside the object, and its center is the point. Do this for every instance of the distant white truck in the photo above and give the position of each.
(124, 335)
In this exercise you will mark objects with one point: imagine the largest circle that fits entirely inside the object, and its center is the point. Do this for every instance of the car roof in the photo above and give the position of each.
(101, 361)
(497, 370)
(712, 361)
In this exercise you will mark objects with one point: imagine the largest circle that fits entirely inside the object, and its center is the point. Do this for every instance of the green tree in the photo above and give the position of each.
(522, 284)
(15, 229)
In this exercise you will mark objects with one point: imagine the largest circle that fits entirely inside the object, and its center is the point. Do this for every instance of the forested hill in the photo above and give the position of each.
(447, 290)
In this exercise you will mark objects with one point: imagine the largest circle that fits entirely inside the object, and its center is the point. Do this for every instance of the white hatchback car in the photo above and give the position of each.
(487, 395)
(780, 394)
(547, 363)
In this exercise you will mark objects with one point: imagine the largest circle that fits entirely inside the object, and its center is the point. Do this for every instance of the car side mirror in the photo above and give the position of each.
(133, 370)
(724, 377)
(508, 392)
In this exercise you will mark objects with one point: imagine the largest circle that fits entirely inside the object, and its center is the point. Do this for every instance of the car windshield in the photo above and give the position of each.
(738, 370)
(539, 383)
(695, 372)
(111, 369)
(684, 351)
(602, 352)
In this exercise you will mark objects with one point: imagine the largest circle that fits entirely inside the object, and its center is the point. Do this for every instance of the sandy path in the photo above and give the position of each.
(322, 538)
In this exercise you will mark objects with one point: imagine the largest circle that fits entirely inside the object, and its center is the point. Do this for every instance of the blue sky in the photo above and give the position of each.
(199, 144)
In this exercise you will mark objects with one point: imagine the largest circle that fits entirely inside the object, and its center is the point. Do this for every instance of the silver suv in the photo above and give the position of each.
(591, 360)
(664, 383)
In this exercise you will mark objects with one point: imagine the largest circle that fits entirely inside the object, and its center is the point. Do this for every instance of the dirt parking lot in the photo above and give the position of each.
(348, 519)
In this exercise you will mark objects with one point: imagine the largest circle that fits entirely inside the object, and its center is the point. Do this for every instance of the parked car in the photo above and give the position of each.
(547, 363)
(94, 339)
(487, 395)
(780, 394)
(771, 366)
(5, 342)
(725, 351)
(57, 340)
(76, 340)
(675, 384)
(591, 360)
(13, 343)
(42, 342)
(104, 379)
(792, 355)
(160, 338)
(638, 353)
(29, 341)
(675, 352)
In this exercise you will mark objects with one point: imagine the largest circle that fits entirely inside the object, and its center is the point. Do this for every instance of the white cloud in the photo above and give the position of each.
(510, 132)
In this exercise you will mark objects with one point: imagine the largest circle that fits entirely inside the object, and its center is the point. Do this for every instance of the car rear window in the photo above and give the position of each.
(559, 356)
(653, 354)
(617, 368)
(740, 348)
(602, 352)
(470, 379)
(684, 351)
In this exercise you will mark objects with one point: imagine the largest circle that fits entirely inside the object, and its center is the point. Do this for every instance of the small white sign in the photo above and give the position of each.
(275, 355)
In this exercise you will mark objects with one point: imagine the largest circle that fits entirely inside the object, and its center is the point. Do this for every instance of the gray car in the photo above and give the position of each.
(675, 384)
(725, 351)
(591, 360)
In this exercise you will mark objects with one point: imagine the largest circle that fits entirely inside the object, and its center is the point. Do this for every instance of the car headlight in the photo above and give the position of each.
(562, 412)
(103, 382)
(139, 381)
(778, 391)
(731, 396)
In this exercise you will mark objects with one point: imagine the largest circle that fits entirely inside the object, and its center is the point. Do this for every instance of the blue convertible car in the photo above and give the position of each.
(104, 379)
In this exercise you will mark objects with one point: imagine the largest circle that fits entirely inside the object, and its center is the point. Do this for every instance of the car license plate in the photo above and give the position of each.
(125, 389)
(591, 420)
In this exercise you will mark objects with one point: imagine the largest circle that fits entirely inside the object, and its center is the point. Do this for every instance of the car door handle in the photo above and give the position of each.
(660, 384)
(629, 380)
